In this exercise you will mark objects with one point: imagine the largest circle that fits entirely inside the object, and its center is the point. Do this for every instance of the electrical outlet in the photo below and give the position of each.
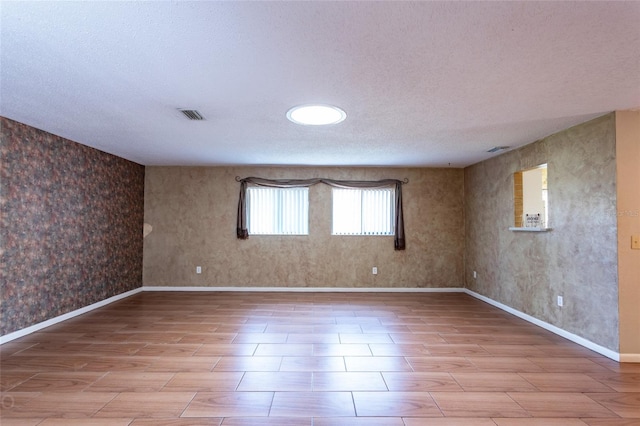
(475, 274)
(374, 270)
(198, 269)
(560, 301)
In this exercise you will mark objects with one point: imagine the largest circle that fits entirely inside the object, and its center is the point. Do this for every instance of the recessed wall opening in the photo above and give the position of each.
(531, 198)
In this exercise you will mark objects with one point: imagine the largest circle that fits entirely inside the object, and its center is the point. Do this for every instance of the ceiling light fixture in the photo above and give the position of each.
(316, 115)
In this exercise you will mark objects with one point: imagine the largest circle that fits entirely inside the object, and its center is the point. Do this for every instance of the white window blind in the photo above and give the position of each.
(363, 211)
(278, 211)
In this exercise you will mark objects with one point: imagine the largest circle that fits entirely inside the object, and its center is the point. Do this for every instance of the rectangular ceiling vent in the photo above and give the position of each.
(498, 149)
(192, 114)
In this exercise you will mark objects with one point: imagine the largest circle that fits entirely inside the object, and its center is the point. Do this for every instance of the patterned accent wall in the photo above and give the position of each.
(71, 222)
(577, 259)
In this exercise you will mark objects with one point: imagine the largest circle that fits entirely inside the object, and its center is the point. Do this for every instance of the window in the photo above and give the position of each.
(373, 208)
(278, 211)
(363, 211)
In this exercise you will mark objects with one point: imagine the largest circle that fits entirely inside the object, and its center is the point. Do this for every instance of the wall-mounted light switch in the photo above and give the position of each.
(475, 274)
(198, 269)
(635, 242)
(374, 270)
(560, 301)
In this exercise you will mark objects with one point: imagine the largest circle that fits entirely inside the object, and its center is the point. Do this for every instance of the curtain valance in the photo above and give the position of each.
(243, 233)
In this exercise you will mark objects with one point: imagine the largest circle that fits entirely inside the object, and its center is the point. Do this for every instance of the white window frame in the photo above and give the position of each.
(277, 211)
(353, 211)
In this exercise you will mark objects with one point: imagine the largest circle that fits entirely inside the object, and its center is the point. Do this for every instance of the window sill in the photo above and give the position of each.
(514, 229)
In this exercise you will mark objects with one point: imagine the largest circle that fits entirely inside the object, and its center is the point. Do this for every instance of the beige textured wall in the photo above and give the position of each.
(628, 169)
(577, 259)
(193, 214)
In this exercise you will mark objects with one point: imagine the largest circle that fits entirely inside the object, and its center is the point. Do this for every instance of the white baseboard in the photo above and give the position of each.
(28, 330)
(313, 289)
(552, 328)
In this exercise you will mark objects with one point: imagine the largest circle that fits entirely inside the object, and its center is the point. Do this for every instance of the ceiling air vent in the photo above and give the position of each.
(191, 114)
(498, 149)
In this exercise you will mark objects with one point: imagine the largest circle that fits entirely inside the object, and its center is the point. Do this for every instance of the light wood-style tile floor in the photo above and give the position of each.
(321, 359)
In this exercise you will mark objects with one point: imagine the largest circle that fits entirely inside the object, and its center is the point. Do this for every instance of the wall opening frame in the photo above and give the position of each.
(531, 199)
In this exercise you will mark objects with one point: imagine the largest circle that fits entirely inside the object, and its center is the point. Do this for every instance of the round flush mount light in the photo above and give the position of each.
(316, 115)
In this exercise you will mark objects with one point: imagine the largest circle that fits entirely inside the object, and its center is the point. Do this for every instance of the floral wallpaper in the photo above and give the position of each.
(71, 226)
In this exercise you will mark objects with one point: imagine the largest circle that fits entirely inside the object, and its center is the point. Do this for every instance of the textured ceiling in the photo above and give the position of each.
(423, 83)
